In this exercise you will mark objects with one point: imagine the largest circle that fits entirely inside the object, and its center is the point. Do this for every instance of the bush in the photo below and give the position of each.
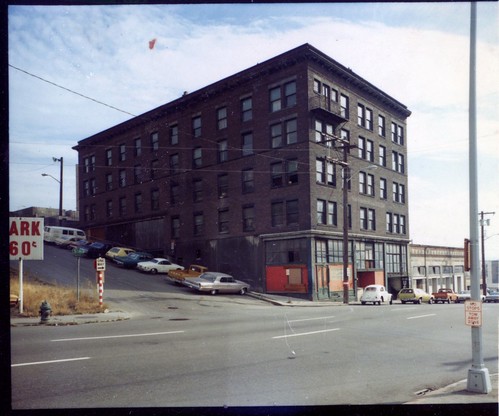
(62, 299)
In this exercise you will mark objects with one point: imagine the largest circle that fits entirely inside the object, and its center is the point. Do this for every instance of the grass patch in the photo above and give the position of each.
(62, 299)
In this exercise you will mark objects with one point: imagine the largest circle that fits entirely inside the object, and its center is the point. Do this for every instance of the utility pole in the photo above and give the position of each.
(345, 146)
(484, 274)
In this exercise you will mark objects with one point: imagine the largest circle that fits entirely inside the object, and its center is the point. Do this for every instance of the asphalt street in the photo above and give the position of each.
(187, 349)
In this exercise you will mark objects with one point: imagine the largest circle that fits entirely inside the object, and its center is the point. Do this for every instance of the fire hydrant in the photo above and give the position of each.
(45, 311)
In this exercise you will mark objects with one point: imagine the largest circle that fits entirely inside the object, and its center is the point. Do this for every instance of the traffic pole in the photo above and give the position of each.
(100, 279)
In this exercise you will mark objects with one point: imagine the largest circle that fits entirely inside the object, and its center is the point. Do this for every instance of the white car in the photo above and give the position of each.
(376, 294)
(158, 265)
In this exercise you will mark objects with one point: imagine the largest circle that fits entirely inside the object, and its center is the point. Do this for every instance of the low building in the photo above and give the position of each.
(434, 267)
(51, 216)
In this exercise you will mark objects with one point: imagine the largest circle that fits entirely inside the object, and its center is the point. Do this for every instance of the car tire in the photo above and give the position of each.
(391, 301)
(363, 302)
(243, 291)
(154, 271)
(403, 302)
(214, 291)
(430, 301)
(420, 301)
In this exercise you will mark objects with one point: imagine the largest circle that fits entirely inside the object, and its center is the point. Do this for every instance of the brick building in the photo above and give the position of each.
(242, 176)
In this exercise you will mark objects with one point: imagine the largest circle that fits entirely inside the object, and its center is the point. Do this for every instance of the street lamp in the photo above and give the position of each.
(60, 185)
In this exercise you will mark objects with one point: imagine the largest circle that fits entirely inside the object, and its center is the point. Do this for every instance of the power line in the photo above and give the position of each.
(71, 91)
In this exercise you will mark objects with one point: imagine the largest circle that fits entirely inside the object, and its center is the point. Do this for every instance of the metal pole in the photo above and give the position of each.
(346, 172)
(78, 281)
(478, 375)
(60, 191)
(21, 295)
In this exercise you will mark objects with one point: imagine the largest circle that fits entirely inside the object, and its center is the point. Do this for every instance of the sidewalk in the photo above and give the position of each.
(106, 316)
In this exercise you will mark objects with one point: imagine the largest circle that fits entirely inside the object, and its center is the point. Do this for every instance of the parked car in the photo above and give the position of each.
(465, 295)
(158, 265)
(131, 260)
(194, 270)
(215, 282)
(97, 250)
(14, 300)
(376, 294)
(118, 252)
(415, 296)
(492, 297)
(80, 243)
(444, 295)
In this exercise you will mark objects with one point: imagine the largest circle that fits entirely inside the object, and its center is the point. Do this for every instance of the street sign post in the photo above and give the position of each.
(25, 243)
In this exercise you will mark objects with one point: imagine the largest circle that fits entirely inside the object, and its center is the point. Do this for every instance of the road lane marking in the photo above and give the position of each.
(119, 336)
(311, 319)
(306, 333)
(50, 362)
(421, 316)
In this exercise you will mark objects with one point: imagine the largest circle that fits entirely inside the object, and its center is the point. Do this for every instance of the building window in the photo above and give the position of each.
(369, 119)
(292, 212)
(382, 188)
(361, 115)
(197, 190)
(223, 151)
(198, 223)
(246, 109)
(247, 145)
(93, 211)
(276, 135)
(276, 173)
(175, 227)
(382, 156)
(249, 218)
(138, 147)
(137, 174)
(223, 185)
(197, 157)
(275, 99)
(93, 188)
(138, 203)
(332, 215)
(321, 212)
(320, 171)
(344, 106)
(317, 86)
(154, 168)
(362, 182)
(370, 185)
(398, 193)
(154, 141)
(277, 213)
(222, 118)
(248, 182)
(89, 163)
(122, 208)
(174, 193)
(323, 133)
(381, 126)
(196, 126)
(86, 188)
(122, 178)
(398, 163)
(291, 133)
(154, 199)
(362, 147)
(223, 221)
(389, 222)
(370, 150)
(291, 172)
(174, 163)
(367, 219)
(109, 157)
(109, 182)
(397, 134)
(122, 152)
(174, 135)
(290, 94)
(109, 208)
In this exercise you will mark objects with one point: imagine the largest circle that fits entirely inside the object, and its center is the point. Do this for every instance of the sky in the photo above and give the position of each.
(77, 70)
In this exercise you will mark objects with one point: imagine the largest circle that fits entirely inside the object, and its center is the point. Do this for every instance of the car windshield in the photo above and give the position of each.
(370, 289)
(208, 277)
(154, 261)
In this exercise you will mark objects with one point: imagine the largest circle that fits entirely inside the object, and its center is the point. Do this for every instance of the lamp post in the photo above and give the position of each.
(60, 185)
(484, 222)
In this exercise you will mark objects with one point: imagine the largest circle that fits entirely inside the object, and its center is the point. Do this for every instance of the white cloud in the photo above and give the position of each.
(103, 53)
